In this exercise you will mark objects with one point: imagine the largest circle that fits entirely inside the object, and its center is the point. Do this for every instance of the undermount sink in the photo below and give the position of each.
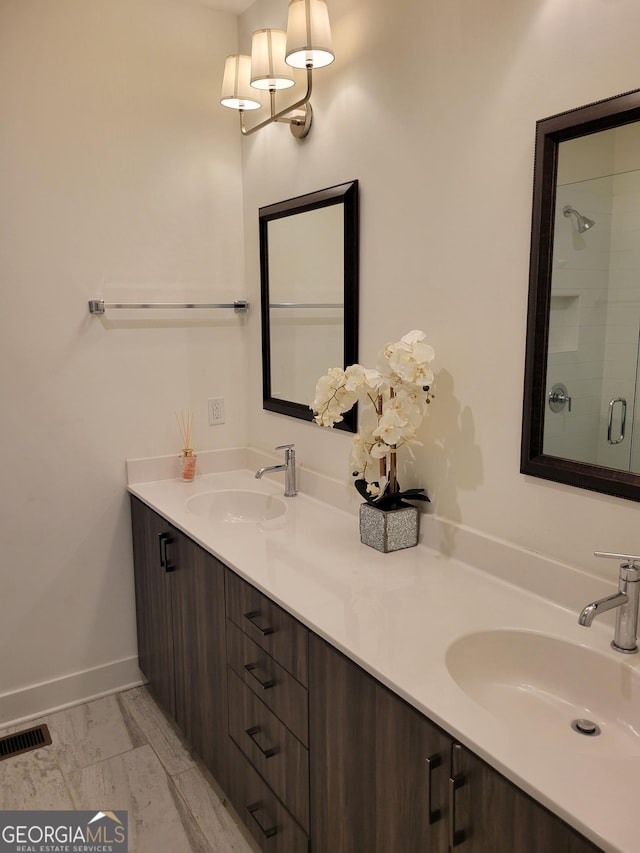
(238, 506)
(541, 684)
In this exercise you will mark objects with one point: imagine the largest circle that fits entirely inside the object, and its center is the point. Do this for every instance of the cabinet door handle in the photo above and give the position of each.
(251, 669)
(269, 831)
(456, 836)
(433, 762)
(268, 751)
(165, 539)
(253, 616)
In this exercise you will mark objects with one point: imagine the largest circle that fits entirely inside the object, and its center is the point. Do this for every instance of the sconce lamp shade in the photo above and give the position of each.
(268, 68)
(236, 89)
(309, 43)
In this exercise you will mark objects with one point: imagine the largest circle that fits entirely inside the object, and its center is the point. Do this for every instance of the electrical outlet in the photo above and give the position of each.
(216, 410)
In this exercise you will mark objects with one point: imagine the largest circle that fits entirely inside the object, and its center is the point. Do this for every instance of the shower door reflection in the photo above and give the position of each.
(635, 425)
(594, 325)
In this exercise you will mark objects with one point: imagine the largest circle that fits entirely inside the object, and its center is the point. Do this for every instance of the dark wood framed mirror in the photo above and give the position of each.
(581, 413)
(309, 257)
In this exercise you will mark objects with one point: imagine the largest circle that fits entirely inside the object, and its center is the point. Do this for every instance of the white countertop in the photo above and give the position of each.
(397, 614)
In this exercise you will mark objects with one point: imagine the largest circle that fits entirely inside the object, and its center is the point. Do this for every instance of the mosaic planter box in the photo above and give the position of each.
(389, 530)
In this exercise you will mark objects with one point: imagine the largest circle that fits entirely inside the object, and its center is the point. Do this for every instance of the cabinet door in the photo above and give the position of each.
(411, 776)
(490, 815)
(153, 538)
(199, 653)
(372, 788)
(180, 621)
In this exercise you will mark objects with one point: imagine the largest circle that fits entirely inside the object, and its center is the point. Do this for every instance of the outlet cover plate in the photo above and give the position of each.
(216, 410)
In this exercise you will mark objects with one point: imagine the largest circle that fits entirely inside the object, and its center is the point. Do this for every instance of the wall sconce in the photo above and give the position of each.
(306, 44)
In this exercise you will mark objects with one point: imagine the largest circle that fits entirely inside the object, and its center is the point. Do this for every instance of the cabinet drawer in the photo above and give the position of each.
(261, 811)
(271, 627)
(276, 754)
(271, 683)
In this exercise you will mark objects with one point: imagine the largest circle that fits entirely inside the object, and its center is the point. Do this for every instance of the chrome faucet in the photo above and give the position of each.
(626, 600)
(289, 468)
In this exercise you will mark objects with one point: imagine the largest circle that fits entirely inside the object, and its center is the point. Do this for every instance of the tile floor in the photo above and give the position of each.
(120, 752)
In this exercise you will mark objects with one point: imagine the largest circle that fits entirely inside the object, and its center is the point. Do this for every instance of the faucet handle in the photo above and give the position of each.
(289, 451)
(630, 559)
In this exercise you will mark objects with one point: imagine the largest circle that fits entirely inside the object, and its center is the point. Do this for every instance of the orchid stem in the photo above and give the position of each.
(383, 461)
(392, 471)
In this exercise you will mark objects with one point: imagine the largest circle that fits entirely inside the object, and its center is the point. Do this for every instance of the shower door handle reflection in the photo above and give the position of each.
(623, 420)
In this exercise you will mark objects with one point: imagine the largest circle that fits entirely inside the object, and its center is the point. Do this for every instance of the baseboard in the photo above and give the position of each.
(37, 700)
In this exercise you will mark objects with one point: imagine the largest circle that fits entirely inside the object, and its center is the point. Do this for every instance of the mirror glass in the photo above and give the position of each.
(581, 421)
(309, 292)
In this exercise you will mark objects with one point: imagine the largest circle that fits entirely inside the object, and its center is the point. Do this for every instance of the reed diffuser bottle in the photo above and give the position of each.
(188, 458)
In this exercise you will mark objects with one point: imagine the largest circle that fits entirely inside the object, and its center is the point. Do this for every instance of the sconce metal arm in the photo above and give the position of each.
(281, 115)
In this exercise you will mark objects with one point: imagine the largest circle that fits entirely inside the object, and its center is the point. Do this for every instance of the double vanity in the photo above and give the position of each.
(349, 701)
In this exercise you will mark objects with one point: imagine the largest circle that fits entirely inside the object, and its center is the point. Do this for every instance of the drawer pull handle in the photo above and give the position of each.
(268, 832)
(251, 669)
(253, 733)
(164, 540)
(456, 836)
(433, 762)
(253, 616)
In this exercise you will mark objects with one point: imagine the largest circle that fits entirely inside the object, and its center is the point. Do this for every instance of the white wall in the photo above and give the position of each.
(433, 107)
(120, 177)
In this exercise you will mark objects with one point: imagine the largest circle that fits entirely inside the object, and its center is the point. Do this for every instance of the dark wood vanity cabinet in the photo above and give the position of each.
(181, 632)
(491, 815)
(152, 537)
(199, 646)
(385, 779)
(314, 753)
(379, 782)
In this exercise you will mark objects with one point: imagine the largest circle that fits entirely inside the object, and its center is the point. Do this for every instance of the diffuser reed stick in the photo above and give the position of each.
(185, 422)
(188, 457)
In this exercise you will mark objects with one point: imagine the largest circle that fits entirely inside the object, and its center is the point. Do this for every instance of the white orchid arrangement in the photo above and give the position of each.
(395, 397)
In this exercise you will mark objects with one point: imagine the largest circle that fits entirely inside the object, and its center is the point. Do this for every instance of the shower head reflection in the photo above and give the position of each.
(583, 222)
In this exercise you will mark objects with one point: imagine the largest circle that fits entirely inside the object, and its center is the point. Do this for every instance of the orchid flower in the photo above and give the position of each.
(394, 399)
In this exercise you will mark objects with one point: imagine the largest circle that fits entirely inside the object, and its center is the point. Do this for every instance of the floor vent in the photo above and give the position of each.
(24, 741)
